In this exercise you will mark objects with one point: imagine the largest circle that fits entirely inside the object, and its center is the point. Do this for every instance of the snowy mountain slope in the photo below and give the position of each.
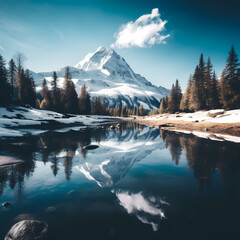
(107, 74)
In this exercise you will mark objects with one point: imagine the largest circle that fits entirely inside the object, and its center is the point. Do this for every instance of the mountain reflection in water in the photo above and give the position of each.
(120, 151)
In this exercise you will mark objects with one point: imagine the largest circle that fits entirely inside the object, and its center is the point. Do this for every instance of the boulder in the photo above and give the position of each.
(91, 147)
(6, 204)
(28, 230)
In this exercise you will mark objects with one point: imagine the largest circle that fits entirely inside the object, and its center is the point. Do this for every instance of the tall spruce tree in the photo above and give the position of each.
(84, 101)
(163, 106)
(71, 98)
(201, 85)
(30, 96)
(185, 101)
(195, 96)
(230, 82)
(207, 84)
(174, 99)
(4, 85)
(213, 97)
(55, 95)
(46, 103)
(12, 72)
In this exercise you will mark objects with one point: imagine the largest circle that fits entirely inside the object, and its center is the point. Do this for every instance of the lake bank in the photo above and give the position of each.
(214, 124)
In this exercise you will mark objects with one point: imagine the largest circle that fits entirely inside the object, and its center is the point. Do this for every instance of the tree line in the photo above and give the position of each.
(18, 88)
(204, 91)
(17, 84)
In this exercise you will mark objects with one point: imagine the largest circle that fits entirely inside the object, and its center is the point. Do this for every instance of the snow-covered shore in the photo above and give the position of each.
(218, 125)
(20, 121)
(215, 116)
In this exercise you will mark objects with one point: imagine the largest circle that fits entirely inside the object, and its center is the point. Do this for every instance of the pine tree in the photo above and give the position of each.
(123, 111)
(4, 85)
(71, 104)
(213, 97)
(46, 103)
(185, 101)
(201, 87)
(12, 71)
(163, 106)
(230, 84)
(56, 98)
(30, 96)
(141, 110)
(207, 84)
(195, 96)
(97, 107)
(174, 99)
(84, 101)
(67, 77)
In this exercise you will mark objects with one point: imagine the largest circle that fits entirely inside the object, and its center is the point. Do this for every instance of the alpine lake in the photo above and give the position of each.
(138, 183)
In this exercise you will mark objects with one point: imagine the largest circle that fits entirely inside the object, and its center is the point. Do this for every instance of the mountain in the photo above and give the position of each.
(107, 74)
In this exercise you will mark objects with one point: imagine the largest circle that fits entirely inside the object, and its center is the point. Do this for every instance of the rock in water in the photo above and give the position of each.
(91, 147)
(28, 230)
(6, 204)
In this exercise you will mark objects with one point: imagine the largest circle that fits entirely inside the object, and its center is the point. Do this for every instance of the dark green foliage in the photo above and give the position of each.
(46, 103)
(71, 99)
(4, 85)
(175, 96)
(213, 94)
(230, 82)
(55, 94)
(84, 101)
(11, 73)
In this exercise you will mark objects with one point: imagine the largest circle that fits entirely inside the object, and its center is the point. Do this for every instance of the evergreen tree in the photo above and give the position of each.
(46, 103)
(195, 96)
(123, 111)
(163, 106)
(71, 104)
(56, 98)
(141, 110)
(4, 85)
(97, 107)
(229, 83)
(207, 84)
(175, 96)
(12, 71)
(67, 77)
(185, 101)
(201, 86)
(213, 97)
(84, 101)
(30, 96)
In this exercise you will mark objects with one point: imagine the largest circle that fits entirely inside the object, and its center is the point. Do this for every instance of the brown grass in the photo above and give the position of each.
(220, 128)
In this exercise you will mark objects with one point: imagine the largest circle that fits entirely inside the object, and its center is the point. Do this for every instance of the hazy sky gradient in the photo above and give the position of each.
(53, 34)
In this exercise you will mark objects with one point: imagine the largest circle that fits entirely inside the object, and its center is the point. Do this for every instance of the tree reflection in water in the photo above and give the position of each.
(204, 157)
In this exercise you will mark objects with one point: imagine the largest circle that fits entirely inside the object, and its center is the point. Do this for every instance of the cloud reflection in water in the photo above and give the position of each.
(146, 209)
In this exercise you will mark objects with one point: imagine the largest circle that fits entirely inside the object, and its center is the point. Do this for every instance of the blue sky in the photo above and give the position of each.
(53, 34)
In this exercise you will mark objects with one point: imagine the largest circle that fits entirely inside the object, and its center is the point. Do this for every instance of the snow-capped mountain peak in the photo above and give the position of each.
(106, 74)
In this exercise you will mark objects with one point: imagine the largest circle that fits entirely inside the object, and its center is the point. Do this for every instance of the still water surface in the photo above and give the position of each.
(141, 183)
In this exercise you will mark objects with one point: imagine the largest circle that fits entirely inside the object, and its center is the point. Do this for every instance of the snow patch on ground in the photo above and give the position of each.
(19, 121)
(217, 116)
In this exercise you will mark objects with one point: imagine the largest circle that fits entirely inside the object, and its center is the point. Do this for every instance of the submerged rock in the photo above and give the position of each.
(28, 230)
(91, 147)
(6, 204)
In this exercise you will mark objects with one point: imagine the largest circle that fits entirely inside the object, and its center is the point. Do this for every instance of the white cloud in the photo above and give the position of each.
(1, 48)
(144, 32)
